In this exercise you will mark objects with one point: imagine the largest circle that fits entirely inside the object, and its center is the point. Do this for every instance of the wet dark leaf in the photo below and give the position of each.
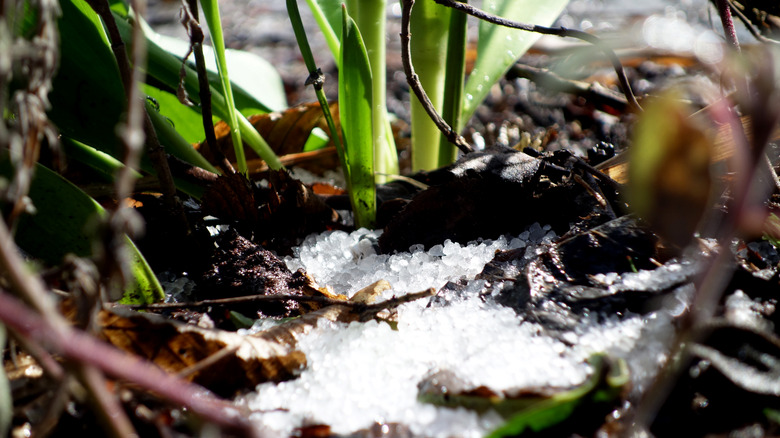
(500, 191)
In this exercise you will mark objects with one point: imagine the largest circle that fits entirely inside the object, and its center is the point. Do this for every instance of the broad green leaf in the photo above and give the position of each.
(63, 222)
(87, 98)
(499, 47)
(87, 94)
(173, 142)
(165, 67)
(355, 106)
(103, 164)
(187, 121)
(257, 85)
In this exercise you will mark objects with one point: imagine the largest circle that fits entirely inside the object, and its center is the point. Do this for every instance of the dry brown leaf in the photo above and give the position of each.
(244, 361)
(286, 132)
(226, 362)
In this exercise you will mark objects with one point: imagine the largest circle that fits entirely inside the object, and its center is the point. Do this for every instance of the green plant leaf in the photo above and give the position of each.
(211, 14)
(355, 109)
(62, 224)
(87, 98)
(257, 85)
(452, 105)
(174, 143)
(499, 47)
(604, 384)
(104, 165)
(87, 95)
(308, 58)
(165, 67)
(318, 139)
(187, 121)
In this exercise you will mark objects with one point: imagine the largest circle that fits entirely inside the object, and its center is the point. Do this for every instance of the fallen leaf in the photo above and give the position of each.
(285, 132)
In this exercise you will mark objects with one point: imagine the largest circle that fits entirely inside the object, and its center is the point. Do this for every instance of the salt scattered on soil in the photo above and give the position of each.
(348, 262)
(359, 374)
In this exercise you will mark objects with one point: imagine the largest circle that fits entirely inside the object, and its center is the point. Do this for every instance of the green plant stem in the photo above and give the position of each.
(371, 22)
(416, 87)
(429, 24)
(331, 33)
(316, 80)
(211, 13)
(453, 83)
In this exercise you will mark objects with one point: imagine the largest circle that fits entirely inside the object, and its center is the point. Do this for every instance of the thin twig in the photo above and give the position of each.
(561, 32)
(599, 95)
(104, 403)
(191, 22)
(316, 79)
(316, 299)
(750, 26)
(102, 8)
(153, 147)
(414, 83)
(32, 289)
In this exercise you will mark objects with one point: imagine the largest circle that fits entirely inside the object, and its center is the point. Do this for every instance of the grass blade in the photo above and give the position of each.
(327, 14)
(211, 14)
(371, 21)
(308, 58)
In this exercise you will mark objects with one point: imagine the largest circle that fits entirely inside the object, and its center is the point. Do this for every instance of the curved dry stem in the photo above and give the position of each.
(414, 83)
(561, 32)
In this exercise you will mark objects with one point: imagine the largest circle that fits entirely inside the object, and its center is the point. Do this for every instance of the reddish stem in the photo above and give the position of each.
(728, 23)
(79, 346)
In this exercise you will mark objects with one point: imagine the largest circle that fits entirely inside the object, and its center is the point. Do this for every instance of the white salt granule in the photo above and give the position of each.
(359, 374)
(348, 262)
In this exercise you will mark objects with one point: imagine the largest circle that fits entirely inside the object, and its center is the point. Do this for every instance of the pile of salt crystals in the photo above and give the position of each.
(361, 374)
